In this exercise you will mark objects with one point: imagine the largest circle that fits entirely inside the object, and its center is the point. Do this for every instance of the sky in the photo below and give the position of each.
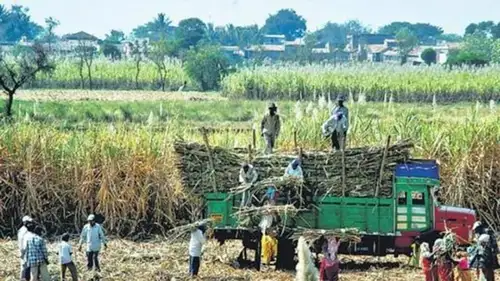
(98, 17)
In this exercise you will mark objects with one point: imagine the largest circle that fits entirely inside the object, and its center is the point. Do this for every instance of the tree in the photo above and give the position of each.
(159, 54)
(49, 35)
(155, 30)
(286, 22)
(16, 24)
(86, 54)
(115, 37)
(190, 32)
(17, 71)
(207, 66)
(111, 51)
(450, 37)
(422, 31)
(429, 56)
(406, 42)
(336, 34)
(138, 52)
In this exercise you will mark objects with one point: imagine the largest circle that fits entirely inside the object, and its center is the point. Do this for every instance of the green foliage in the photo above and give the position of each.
(286, 22)
(450, 37)
(207, 66)
(160, 53)
(429, 56)
(111, 51)
(422, 31)
(488, 28)
(157, 29)
(115, 37)
(190, 32)
(336, 34)
(16, 24)
(407, 40)
(230, 35)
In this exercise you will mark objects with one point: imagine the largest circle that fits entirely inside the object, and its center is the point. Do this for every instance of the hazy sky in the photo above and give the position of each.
(100, 16)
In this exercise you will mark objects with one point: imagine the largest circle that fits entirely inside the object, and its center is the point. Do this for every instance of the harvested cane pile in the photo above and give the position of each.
(351, 235)
(360, 170)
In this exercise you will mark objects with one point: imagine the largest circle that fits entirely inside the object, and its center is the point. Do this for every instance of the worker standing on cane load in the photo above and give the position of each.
(336, 128)
(248, 175)
(294, 170)
(270, 128)
(93, 236)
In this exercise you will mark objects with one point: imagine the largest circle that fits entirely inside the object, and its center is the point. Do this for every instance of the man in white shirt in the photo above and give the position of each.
(22, 235)
(65, 253)
(248, 175)
(336, 128)
(195, 248)
(93, 236)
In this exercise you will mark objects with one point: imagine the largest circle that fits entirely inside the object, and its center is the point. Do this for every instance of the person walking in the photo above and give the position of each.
(444, 261)
(36, 255)
(463, 272)
(270, 127)
(341, 108)
(23, 234)
(195, 249)
(65, 258)
(336, 128)
(483, 258)
(93, 236)
(479, 229)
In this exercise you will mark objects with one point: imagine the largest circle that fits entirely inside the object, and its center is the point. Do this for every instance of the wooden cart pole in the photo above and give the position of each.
(342, 148)
(210, 158)
(382, 163)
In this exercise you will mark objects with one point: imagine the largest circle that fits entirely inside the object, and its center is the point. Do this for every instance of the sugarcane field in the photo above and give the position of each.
(249, 140)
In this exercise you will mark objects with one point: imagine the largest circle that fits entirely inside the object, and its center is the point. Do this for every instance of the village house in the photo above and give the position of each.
(70, 42)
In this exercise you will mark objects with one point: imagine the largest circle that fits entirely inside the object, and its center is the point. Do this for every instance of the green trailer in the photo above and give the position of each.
(387, 225)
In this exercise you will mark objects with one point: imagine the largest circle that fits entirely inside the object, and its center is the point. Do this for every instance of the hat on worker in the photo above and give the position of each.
(27, 219)
(340, 98)
(271, 105)
(90, 218)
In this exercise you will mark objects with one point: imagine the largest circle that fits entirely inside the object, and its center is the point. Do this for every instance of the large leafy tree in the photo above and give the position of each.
(421, 30)
(336, 33)
(207, 66)
(407, 40)
(286, 22)
(157, 29)
(489, 28)
(231, 35)
(16, 24)
(190, 32)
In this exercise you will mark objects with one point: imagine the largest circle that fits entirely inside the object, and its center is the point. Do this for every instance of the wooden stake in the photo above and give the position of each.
(381, 172)
(341, 139)
(295, 139)
(250, 153)
(210, 158)
(254, 139)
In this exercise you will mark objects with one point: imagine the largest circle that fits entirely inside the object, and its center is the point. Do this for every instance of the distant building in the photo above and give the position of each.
(70, 42)
(357, 42)
(274, 39)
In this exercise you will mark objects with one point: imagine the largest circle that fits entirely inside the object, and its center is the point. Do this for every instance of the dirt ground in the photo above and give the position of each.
(125, 260)
(112, 95)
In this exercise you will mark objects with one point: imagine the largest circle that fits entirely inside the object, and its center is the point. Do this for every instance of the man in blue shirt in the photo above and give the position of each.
(93, 236)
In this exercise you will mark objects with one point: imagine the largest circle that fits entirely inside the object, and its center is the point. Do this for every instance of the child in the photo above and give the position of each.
(330, 265)
(426, 263)
(65, 253)
(195, 248)
(463, 273)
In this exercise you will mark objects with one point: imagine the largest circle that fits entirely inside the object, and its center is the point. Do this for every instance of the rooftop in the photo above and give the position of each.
(80, 36)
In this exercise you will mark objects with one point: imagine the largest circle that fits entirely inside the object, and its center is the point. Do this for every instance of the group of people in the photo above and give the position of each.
(335, 127)
(481, 258)
(34, 256)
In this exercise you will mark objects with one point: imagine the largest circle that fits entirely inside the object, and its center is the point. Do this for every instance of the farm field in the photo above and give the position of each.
(162, 261)
(112, 151)
(294, 81)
